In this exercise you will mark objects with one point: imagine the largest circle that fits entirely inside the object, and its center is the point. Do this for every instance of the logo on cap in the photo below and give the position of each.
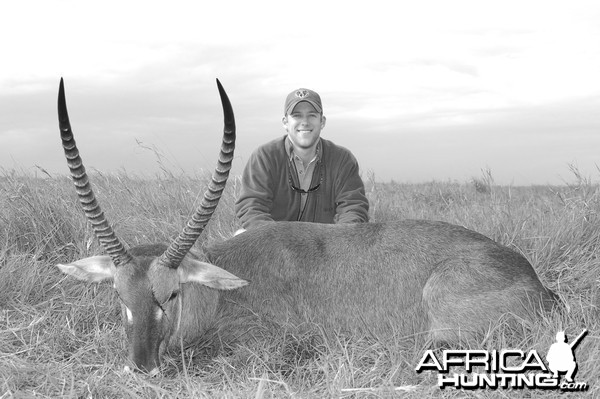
(302, 93)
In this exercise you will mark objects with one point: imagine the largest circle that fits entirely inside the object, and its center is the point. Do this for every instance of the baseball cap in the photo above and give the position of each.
(302, 95)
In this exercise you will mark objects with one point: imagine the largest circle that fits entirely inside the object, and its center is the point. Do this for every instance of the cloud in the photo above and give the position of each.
(521, 145)
(448, 86)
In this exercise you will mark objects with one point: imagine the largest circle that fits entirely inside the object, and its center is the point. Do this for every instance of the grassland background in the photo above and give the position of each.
(63, 338)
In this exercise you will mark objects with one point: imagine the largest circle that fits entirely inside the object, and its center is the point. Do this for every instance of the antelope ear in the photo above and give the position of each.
(194, 271)
(93, 269)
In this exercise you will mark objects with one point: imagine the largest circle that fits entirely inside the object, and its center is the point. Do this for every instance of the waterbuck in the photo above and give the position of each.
(403, 278)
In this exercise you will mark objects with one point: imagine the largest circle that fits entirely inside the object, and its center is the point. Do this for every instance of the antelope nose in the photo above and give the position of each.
(152, 373)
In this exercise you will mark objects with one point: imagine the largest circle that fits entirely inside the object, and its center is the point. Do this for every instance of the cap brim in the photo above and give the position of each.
(293, 104)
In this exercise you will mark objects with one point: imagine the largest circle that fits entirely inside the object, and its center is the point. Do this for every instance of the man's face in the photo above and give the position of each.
(304, 125)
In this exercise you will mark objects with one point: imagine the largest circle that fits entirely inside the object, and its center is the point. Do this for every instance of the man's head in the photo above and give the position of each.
(300, 95)
(303, 118)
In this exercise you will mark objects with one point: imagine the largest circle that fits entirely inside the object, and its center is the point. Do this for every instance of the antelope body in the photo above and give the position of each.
(400, 278)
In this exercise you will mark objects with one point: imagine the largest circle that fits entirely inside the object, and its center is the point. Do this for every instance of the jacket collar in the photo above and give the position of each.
(289, 149)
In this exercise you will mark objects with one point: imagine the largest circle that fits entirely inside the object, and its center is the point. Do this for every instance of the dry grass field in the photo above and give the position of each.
(60, 337)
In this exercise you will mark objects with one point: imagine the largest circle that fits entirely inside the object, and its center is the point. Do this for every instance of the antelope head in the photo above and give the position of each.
(148, 279)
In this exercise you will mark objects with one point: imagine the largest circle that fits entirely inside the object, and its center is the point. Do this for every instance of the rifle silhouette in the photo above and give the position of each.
(579, 337)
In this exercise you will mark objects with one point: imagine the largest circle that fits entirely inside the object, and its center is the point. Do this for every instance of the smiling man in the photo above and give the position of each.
(301, 176)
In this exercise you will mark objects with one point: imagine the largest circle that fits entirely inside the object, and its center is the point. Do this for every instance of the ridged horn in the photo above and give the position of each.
(100, 225)
(173, 256)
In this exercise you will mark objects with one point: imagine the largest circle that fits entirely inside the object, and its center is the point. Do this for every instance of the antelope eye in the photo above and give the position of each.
(173, 295)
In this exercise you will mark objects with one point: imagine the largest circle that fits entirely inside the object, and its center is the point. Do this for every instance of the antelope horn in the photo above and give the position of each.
(179, 248)
(100, 225)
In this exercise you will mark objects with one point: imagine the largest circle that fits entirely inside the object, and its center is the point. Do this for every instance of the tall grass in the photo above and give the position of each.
(63, 338)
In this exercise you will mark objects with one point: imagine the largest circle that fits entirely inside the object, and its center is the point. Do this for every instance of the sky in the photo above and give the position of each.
(419, 91)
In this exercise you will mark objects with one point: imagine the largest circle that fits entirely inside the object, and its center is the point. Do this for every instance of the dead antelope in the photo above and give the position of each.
(400, 278)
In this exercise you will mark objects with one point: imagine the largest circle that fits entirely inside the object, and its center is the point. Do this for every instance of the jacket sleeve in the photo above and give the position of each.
(255, 201)
(352, 205)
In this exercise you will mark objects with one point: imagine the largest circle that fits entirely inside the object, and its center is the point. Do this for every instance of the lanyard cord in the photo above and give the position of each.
(292, 166)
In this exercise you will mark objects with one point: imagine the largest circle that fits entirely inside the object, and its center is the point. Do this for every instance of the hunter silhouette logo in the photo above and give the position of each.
(561, 357)
(507, 368)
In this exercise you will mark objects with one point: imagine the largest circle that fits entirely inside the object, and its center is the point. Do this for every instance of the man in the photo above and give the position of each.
(301, 176)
